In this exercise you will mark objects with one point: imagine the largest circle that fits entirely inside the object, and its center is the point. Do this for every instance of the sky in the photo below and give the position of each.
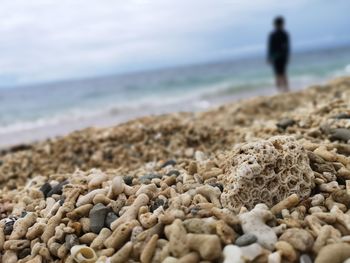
(49, 40)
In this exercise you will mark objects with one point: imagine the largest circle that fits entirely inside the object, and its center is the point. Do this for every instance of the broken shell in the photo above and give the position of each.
(83, 254)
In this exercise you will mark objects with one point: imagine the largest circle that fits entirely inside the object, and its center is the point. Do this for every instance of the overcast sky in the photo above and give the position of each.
(50, 40)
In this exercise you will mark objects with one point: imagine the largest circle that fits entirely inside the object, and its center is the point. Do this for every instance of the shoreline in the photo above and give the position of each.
(51, 131)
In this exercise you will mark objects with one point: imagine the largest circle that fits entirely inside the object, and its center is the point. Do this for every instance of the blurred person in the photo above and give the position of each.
(278, 53)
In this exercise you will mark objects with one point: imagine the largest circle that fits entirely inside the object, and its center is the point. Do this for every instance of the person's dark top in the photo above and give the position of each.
(278, 46)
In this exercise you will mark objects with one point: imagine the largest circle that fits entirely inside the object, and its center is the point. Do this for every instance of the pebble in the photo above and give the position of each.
(157, 203)
(300, 239)
(173, 172)
(285, 123)
(251, 252)
(148, 178)
(9, 226)
(24, 252)
(46, 188)
(305, 259)
(342, 115)
(71, 240)
(110, 217)
(341, 196)
(169, 162)
(246, 240)
(97, 217)
(218, 185)
(57, 189)
(341, 134)
(128, 179)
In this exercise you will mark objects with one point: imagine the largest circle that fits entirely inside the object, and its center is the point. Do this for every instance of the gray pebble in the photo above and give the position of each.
(23, 214)
(24, 252)
(97, 217)
(305, 259)
(246, 240)
(218, 185)
(157, 203)
(148, 177)
(9, 226)
(285, 123)
(111, 216)
(57, 189)
(169, 162)
(45, 188)
(71, 240)
(173, 172)
(341, 134)
(128, 179)
(343, 115)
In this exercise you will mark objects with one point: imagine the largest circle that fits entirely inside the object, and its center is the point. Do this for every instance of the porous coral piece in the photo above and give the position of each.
(265, 171)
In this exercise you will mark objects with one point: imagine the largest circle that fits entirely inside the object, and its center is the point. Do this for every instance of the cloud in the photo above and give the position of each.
(43, 40)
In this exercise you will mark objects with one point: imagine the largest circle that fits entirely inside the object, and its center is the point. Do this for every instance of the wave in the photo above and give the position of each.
(193, 98)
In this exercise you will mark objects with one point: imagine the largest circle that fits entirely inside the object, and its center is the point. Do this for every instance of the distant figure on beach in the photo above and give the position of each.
(278, 53)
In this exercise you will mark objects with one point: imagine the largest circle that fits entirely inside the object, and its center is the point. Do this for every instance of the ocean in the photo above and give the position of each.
(34, 112)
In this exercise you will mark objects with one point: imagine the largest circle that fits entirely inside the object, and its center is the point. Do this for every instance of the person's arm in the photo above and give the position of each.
(269, 49)
(287, 46)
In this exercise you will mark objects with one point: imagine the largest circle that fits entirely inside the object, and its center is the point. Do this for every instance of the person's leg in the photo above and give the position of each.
(279, 82)
(278, 69)
(284, 78)
(284, 82)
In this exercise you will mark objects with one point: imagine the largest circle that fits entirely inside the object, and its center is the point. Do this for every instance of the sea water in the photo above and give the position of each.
(30, 112)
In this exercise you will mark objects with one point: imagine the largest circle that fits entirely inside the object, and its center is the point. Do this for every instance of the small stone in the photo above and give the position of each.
(189, 152)
(192, 168)
(128, 179)
(57, 189)
(46, 188)
(341, 196)
(246, 240)
(194, 210)
(218, 185)
(9, 226)
(97, 217)
(323, 167)
(300, 239)
(71, 240)
(169, 162)
(340, 134)
(24, 252)
(251, 252)
(285, 123)
(305, 259)
(342, 115)
(111, 217)
(232, 254)
(148, 178)
(314, 158)
(157, 203)
(61, 201)
(173, 172)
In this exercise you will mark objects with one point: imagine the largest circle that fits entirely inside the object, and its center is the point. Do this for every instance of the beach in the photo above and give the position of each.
(262, 179)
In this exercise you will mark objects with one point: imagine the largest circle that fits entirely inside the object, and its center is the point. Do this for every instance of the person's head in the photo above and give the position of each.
(279, 22)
